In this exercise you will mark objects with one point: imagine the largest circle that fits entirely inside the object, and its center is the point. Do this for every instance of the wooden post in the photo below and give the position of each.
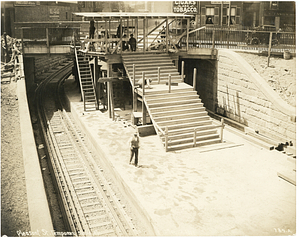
(143, 102)
(194, 78)
(84, 102)
(187, 34)
(195, 137)
(158, 74)
(270, 46)
(169, 83)
(22, 40)
(106, 42)
(48, 43)
(213, 40)
(167, 34)
(166, 139)
(222, 127)
(121, 35)
(134, 102)
(112, 100)
(136, 34)
(144, 35)
(108, 98)
(6, 48)
(182, 71)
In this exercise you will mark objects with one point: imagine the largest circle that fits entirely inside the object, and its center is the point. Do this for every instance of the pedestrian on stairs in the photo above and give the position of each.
(134, 148)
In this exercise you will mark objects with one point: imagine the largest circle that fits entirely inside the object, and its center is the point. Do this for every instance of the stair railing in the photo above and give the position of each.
(194, 78)
(158, 75)
(84, 107)
(221, 128)
(166, 139)
(182, 71)
(94, 90)
(169, 83)
(79, 75)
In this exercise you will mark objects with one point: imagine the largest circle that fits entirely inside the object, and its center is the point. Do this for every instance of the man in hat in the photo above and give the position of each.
(134, 148)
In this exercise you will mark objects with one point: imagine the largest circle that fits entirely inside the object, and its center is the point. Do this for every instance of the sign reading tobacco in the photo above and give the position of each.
(185, 7)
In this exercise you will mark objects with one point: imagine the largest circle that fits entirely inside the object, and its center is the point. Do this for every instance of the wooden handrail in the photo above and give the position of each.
(78, 71)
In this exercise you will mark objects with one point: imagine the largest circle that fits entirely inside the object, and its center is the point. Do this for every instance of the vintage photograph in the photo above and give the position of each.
(148, 118)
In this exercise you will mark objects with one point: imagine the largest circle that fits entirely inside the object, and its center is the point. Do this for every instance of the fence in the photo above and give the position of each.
(241, 39)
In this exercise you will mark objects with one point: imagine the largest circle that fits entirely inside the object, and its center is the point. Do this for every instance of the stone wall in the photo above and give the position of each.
(245, 97)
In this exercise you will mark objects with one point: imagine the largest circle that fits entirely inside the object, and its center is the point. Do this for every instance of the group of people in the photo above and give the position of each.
(126, 45)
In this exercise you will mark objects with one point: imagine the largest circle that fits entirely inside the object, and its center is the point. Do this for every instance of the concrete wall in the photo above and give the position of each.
(245, 97)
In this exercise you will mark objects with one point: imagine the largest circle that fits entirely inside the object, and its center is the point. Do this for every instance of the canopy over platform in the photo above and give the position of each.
(130, 15)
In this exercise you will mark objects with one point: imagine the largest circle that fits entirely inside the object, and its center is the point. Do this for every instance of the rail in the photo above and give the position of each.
(90, 206)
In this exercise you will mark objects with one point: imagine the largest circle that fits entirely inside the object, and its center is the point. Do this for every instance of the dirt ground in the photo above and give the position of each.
(14, 209)
(280, 75)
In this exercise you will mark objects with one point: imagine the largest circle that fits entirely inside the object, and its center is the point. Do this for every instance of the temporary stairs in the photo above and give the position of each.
(86, 83)
(179, 115)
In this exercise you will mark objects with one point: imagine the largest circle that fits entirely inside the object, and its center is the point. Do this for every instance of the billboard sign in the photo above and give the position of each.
(189, 7)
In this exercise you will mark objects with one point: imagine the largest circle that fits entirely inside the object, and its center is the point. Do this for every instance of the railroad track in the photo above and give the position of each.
(90, 206)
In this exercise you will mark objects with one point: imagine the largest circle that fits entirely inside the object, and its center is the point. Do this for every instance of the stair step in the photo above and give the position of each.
(172, 108)
(171, 103)
(138, 61)
(190, 145)
(168, 117)
(190, 134)
(187, 125)
(172, 94)
(175, 98)
(177, 112)
(183, 121)
(161, 92)
(190, 139)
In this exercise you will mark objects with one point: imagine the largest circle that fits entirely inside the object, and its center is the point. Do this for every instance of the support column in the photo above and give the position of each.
(187, 34)
(48, 43)
(106, 42)
(144, 35)
(167, 34)
(134, 94)
(112, 100)
(144, 110)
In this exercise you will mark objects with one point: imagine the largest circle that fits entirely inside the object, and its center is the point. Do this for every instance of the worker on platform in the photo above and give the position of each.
(134, 148)
(132, 43)
(92, 29)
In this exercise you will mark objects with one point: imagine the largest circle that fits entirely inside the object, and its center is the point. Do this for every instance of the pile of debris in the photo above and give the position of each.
(10, 50)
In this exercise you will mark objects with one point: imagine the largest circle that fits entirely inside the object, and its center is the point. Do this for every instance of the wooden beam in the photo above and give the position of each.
(144, 35)
(167, 34)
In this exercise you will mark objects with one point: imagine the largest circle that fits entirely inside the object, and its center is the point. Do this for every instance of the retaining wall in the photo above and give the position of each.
(245, 97)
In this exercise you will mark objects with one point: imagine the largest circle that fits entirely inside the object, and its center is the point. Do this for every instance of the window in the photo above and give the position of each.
(210, 13)
(234, 15)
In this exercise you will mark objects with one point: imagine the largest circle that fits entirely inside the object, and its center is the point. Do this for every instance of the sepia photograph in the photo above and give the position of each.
(148, 118)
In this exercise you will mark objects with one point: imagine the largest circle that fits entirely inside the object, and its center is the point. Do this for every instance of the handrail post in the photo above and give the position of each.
(83, 101)
(182, 71)
(158, 74)
(134, 105)
(133, 68)
(195, 137)
(222, 127)
(194, 78)
(169, 83)
(166, 138)
(143, 100)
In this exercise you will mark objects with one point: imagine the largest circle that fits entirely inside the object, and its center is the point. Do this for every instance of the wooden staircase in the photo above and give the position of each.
(178, 116)
(86, 83)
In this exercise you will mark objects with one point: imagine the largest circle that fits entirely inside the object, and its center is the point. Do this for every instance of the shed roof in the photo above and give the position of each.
(129, 15)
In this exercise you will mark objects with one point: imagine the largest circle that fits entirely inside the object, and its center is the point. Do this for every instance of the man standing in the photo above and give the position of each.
(134, 148)
(132, 43)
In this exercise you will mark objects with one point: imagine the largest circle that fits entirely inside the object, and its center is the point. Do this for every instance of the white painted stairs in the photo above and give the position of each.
(180, 111)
